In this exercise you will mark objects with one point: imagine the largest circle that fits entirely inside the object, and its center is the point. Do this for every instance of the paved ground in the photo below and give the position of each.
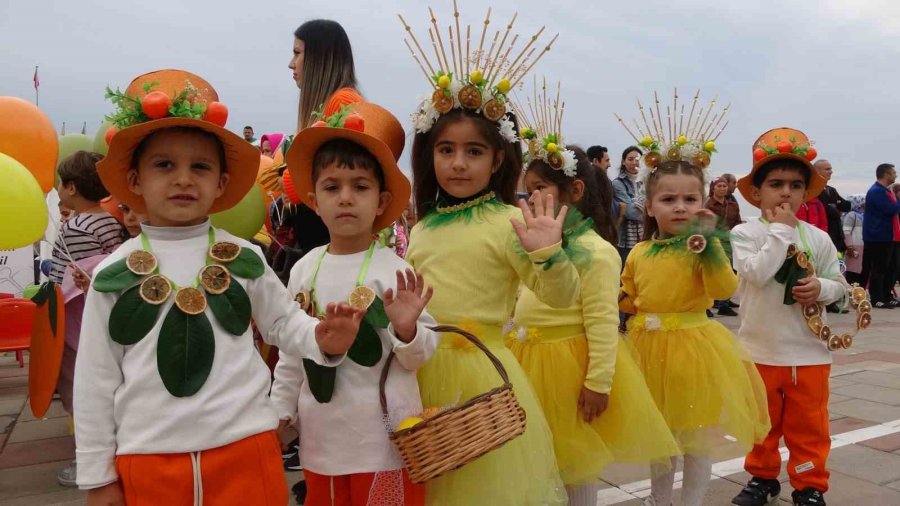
(865, 413)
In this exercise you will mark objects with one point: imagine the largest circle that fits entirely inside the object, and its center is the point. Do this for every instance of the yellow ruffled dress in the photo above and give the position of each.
(565, 349)
(702, 379)
(471, 260)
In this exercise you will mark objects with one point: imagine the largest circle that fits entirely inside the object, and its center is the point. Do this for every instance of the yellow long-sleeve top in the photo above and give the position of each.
(595, 314)
(475, 267)
(675, 280)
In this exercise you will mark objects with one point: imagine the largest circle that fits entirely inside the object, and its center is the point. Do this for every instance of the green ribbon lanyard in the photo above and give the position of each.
(145, 242)
(359, 279)
(802, 232)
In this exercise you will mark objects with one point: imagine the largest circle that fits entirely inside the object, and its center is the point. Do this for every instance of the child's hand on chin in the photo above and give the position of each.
(404, 308)
(107, 495)
(336, 333)
(541, 228)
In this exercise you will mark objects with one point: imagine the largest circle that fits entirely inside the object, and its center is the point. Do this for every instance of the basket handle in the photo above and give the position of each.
(442, 329)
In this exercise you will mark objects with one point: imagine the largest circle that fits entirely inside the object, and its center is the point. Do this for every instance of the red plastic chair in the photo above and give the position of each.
(16, 319)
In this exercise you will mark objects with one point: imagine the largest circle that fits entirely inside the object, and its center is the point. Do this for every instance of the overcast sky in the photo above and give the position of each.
(827, 67)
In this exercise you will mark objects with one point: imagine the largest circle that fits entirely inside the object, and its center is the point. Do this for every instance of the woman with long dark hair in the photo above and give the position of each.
(628, 193)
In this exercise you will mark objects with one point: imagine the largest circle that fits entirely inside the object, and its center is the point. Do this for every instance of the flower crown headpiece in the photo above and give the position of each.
(474, 80)
(157, 105)
(692, 141)
(541, 129)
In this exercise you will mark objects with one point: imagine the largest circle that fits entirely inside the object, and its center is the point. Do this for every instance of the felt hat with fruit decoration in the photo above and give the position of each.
(372, 127)
(783, 144)
(166, 99)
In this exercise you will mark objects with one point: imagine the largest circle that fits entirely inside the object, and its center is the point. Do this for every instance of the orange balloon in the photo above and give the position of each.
(27, 135)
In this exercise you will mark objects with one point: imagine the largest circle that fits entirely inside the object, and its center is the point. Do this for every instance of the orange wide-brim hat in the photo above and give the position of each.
(382, 136)
(768, 142)
(241, 158)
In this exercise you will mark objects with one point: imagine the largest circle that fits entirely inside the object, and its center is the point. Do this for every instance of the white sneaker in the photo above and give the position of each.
(66, 477)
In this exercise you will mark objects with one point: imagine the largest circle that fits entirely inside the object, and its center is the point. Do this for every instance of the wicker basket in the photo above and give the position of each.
(460, 434)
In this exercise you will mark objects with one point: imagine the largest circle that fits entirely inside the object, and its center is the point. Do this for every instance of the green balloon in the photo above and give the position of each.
(246, 218)
(100, 145)
(71, 143)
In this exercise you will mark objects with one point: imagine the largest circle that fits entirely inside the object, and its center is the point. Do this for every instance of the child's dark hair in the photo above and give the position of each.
(785, 164)
(346, 154)
(142, 146)
(80, 168)
(667, 169)
(503, 182)
(596, 203)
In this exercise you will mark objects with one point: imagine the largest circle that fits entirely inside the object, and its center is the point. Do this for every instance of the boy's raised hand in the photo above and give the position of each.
(782, 214)
(405, 307)
(336, 333)
(541, 227)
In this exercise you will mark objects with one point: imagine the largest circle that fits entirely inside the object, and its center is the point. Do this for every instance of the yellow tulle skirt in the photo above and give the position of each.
(703, 381)
(521, 472)
(631, 430)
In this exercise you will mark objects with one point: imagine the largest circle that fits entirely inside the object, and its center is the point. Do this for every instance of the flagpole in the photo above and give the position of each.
(37, 96)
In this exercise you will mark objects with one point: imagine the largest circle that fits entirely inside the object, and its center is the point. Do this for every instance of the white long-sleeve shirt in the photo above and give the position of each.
(348, 434)
(121, 404)
(772, 332)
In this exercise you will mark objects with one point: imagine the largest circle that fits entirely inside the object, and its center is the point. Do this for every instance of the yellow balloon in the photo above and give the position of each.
(23, 210)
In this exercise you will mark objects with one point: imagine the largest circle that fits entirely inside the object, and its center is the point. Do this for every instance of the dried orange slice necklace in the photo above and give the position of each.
(361, 297)
(213, 278)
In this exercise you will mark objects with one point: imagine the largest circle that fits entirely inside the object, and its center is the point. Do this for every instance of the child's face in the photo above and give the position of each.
(348, 200)
(534, 182)
(67, 194)
(132, 220)
(464, 160)
(179, 176)
(675, 200)
(781, 186)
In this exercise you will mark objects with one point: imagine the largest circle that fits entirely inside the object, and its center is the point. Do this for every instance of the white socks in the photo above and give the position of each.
(583, 495)
(697, 474)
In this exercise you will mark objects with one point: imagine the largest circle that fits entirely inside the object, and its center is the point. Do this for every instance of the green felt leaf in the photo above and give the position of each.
(232, 308)
(376, 316)
(40, 297)
(184, 352)
(131, 319)
(320, 380)
(115, 277)
(247, 265)
(366, 349)
(53, 305)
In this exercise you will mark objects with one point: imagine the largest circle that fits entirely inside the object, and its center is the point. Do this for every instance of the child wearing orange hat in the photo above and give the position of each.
(171, 401)
(345, 168)
(788, 272)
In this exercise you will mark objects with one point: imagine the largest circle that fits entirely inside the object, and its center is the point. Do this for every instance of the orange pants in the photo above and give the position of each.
(798, 407)
(357, 489)
(246, 473)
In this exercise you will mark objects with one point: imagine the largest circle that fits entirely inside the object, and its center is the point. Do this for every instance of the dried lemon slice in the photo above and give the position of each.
(305, 299)
(825, 333)
(494, 110)
(155, 289)
(141, 262)
(811, 310)
(858, 294)
(190, 300)
(815, 324)
(224, 251)
(470, 97)
(362, 297)
(215, 279)
(442, 103)
(863, 321)
(802, 260)
(696, 243)
(835, 343)
(846, 341)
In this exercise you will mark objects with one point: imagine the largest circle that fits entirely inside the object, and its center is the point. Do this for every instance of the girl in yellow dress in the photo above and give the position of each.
(585, 376)
(475, 250)
(702, 380)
